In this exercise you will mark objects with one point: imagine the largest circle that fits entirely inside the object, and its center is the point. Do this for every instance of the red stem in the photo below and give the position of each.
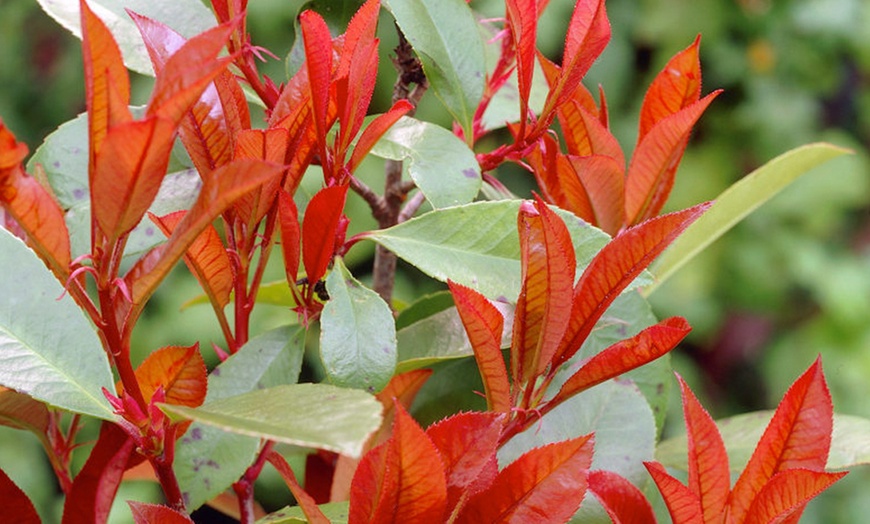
(162, 465)
(244, 487)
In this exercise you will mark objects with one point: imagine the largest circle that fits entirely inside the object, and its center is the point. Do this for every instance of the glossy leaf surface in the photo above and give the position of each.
(39, 361)
(148, 513)
(441, 165)
(336, 419)
(179, 370)
(358, 334)
(445, 37)
(19, 508)
(623, 502)
(319, 229)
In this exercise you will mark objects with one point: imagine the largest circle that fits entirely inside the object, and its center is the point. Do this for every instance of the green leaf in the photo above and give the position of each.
(441, 337)
(423, 307)
(336, 512)
(445, 36)
(624, 430)
(850, 441)
(209, 459)
(742, 198)
(188, 17)
(477, 245)
(441, 165)
(310, 415)
(357, 333)
(48, 349)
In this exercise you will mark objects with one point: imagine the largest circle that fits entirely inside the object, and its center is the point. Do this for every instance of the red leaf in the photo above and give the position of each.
(129, 169)
(522, 19)
(709, 476)
(484, 325)
(558, 180)
(17, 507)
(400, 481)
(683, 504)
(219, 191)
(786, 494)
(206, 258)
(179, 370)
(585, 134)
(95, 486)
(187, 72)
(655, 161)
(623, 502)
(467, 443)
(677, 86)
(309, 507)
(548, 267)
(360, 31)
(210, 126)
(798, 436)
(646, 346)
(614, 268)
(318, 230)
(354, 93)
(602, 178)
(107, 85)
(32, 206)
(587, 36)
(545, 485)
(265, 144)
(150, 513)
(375, 130)
(318, 61)
(288, 221)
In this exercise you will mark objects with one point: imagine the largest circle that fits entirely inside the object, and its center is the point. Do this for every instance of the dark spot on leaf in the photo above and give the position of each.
(370, 389)
(56, 164)
(79, 194)
(149, 231)
(196, 434)
(216, 372)
(660, 388)
(469, 172)
(185, 496)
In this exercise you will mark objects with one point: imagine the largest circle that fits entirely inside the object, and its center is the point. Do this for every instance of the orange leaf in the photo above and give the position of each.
(318, 62)
(35, 210)
(587, 36)
(558, 180)
(614, 268)
(361, 28)
(309, 507)
(623, 502)
(219, 191)
(21, 411)
(265, 144)
(484, 325)
(375, 131)
(354, 93)
(17, 507)
(798, 436)
(129, 169)
(683, 504)
(542, 312)
(545, 485)
(221, 111)
(467, 443)
(179, 370)
(149, 513)
(677, 86)
(187, 72)
(787, 493)
(585, 134)
(602, 178)
(646, 346)
(318, 230)
(655, 160)
(522, 20)
(400, 481)
(206, 258)
(107, 85)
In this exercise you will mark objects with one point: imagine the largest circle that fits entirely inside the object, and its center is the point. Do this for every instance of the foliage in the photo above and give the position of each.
(91, 214)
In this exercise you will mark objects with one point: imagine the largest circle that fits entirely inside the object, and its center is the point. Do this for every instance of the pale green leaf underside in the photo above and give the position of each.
(208, 460)
(441, 165)
(188, 17)
(310, 415)
(477, 245)
(850, 441)
(336, 512)
(48, 349)
(357, 334)
(445, 36)
(739, 200)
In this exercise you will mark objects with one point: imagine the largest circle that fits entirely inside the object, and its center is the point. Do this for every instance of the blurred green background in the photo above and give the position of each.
(791, 282)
